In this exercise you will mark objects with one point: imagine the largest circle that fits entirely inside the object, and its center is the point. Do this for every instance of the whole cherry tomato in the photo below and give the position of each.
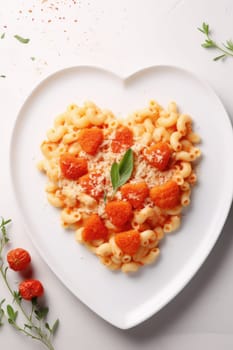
(18, 259)
(29, 289)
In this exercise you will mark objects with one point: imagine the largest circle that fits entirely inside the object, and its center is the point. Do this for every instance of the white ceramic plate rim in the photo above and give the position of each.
(201, 254)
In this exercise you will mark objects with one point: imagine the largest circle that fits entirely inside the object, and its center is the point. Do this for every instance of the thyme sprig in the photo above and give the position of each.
(35, 325)
(226, 49)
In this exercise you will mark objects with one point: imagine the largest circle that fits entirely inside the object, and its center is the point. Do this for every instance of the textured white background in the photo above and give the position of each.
(123, 36)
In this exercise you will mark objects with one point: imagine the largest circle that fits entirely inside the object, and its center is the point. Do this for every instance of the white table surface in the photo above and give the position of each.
(122, 35)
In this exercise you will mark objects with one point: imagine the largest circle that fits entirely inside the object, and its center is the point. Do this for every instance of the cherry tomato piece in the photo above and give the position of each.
(18, 259)
(90, 140)
(94, 228)
(122, 140)
(128, 242)
(29, 289)
(71, 167)
(119, 212)
(166, 196)
(158, 155)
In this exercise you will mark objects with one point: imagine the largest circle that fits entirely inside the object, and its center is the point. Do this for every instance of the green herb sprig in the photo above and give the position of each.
(35, 325)
(21, 40)
(226, 49)
(122, 171)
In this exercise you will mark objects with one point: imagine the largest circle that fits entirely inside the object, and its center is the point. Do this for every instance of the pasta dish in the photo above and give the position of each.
(121, 185)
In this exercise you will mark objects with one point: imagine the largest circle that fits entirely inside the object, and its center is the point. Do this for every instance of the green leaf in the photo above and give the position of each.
(48, 327)
(55, 326)
(2, 313)
(41, 313)
(205, 28)
(21, 40)
(208, 43)
(120, 173)
(126, 161)
(1, 316)
(115, 176)
(5, 222)
(27, 326)
(229, 45)
(219, 57)
(17, 296)
(201, 30)
(33, 58)
(3, 35)
(126, 167)
(3, 229)
(11, 313)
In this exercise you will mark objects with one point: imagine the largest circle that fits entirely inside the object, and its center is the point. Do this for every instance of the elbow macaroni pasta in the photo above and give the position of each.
(78, 201)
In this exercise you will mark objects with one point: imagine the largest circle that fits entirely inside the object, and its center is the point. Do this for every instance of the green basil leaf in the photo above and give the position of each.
(115, 176)
(126, 167)
(120, 173)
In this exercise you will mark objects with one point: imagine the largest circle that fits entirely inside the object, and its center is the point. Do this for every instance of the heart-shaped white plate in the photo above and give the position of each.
(124, 300)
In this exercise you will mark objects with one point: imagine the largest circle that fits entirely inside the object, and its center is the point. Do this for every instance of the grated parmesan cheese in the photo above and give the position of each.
(101, 164)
